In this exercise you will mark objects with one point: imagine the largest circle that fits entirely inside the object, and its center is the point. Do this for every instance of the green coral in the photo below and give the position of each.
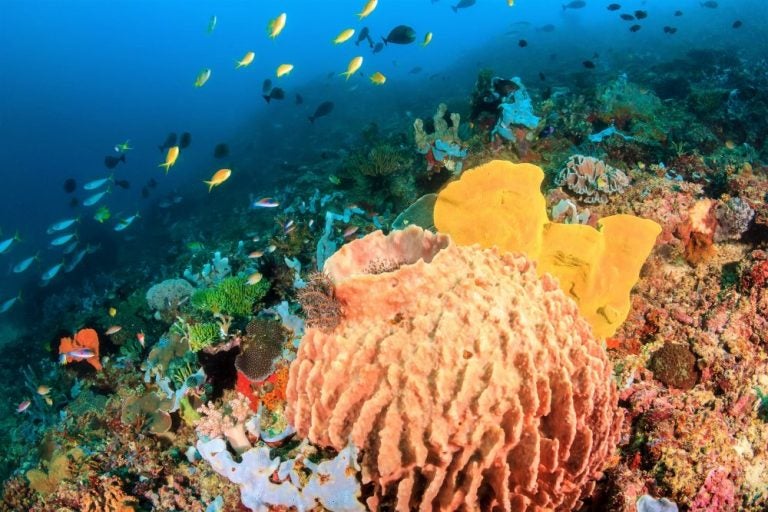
(232, 296)
(203, 334)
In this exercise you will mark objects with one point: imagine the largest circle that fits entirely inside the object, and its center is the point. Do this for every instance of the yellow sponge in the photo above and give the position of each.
(500, 203)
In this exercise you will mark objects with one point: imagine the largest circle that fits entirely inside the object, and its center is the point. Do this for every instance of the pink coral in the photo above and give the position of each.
(467, 380)
(717, 493)
(227, 421)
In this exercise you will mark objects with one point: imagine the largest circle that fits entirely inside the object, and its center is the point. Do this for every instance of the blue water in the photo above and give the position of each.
(79, 77)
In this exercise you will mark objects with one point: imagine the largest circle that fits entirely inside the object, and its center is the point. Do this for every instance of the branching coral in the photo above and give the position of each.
(202, 335)
(227, 421)
(233, 296)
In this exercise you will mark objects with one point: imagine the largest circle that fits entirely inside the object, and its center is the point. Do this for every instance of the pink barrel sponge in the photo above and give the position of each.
(467, 381)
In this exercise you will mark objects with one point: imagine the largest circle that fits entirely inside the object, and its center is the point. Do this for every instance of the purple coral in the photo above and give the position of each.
(592, 179)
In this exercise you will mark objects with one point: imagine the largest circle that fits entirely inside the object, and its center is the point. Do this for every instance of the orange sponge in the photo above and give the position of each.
(500, 204)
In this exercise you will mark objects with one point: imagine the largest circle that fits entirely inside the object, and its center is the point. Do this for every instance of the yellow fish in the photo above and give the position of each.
(284, 69)
(378, 79)
(112, 312)
(275, 26)
(218, 178)
(344, 35)
(254, 278)
(246, 60)
(368, 9)
(427, 39)
(202, 77)
(353, 66)
(170, 158)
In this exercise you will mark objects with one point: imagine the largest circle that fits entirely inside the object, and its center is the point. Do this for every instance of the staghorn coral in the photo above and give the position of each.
(203, 335)
(319, 303)
(591, 179)
(457, 376)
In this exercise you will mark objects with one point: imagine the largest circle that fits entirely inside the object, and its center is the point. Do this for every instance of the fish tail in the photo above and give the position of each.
(311, 119)
(455, 9)
(210, 185)
(167, 167)
(122, 158)
(266, 97)
(384, 39)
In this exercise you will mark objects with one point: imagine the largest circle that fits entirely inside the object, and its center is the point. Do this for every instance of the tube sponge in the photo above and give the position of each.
(500, 204)
(467, 381)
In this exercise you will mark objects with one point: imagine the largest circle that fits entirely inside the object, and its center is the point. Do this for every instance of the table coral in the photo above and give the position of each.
(466, 379)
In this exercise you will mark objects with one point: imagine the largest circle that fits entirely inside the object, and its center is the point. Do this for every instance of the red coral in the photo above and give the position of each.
(755, 277)
(244, 386)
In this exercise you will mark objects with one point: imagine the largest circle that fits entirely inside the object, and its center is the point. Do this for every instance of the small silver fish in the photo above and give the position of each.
(61, 225)
(24, 264)
(93, 185)
(95, 198)
(51, 272)
(5, 306)
(63, 239)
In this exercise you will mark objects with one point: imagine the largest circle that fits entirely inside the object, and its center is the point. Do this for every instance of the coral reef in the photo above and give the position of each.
(228, 420)
(84, 339)
(260, 347)
(231, 296)
(168, 294)
(445, 413)
(442, 147)
(268, 483)
(202, 335)
(595, 267)
(318, 300)
(592, 180)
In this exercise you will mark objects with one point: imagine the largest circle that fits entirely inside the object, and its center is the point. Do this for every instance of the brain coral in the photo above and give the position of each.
(468, 381)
